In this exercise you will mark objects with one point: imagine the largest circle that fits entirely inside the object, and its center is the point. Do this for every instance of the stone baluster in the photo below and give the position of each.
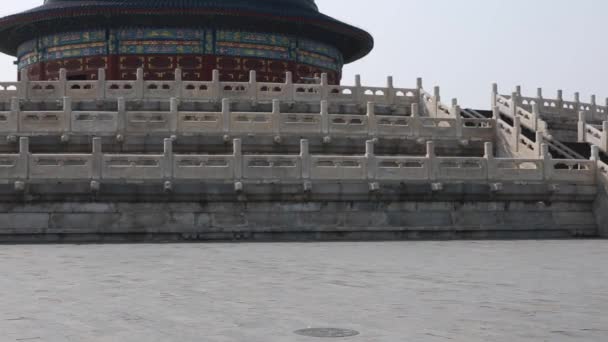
(67, 114)
(121, 118)
(325, 117)
(226, 116)
(430, 156)
(560, 100)
(252, 92)
(358, 93)
(24, 85)
(495, 113)
(276, 119)
(15, 112)
(372, 122)
(540, 140)
(582, 127)
(324, 91)
(595, 158)
(536, 115)
(604, 145)
(97, 162)
(216, 90)
(63, 82)
(168, 159)
(305, 158)
(514, 104)
(516, 133)
(488, 155)
(435, 101)
(415, 123)
(238, 159)
(289, 88)
(24, 158)
(593, 108)
(101, 84)
(547, 162)
(178, 83)
(174, 114)
(139, 84)
(458, 119)
(595, 153)
(370, 159)
(419, 90)
(390, 90)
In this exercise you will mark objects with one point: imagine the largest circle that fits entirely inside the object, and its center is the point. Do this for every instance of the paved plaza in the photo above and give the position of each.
(388, 292)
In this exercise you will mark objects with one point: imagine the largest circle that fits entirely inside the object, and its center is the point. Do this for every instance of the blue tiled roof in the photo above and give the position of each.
(300, 16)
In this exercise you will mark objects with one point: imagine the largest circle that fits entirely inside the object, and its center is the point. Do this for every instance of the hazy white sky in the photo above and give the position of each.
(465, 45)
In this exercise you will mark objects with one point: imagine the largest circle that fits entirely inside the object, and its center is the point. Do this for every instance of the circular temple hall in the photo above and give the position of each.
(271, 37)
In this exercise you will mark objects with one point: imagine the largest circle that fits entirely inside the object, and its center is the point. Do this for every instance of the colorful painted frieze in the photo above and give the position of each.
(70, 38)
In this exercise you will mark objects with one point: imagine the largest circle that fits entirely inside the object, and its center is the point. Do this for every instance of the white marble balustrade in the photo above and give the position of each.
(170, 166)
(227, 122)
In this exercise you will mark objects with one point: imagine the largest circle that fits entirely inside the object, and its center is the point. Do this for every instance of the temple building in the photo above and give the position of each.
(196, 36)
(226, 120)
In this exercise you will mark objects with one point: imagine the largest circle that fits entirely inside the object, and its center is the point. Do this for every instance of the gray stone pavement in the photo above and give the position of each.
(405, 291)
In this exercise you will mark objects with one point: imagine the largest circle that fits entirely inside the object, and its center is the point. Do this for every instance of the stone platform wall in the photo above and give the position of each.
(278, 221)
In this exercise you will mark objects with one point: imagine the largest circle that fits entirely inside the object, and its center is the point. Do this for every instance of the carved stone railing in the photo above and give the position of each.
(168, 166)
(529, 110)
(514, 109)
(592, 133)
(214, 90)
(236, 124)
(559, 106)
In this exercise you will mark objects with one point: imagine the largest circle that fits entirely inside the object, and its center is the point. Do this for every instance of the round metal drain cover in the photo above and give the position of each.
(327, 332)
